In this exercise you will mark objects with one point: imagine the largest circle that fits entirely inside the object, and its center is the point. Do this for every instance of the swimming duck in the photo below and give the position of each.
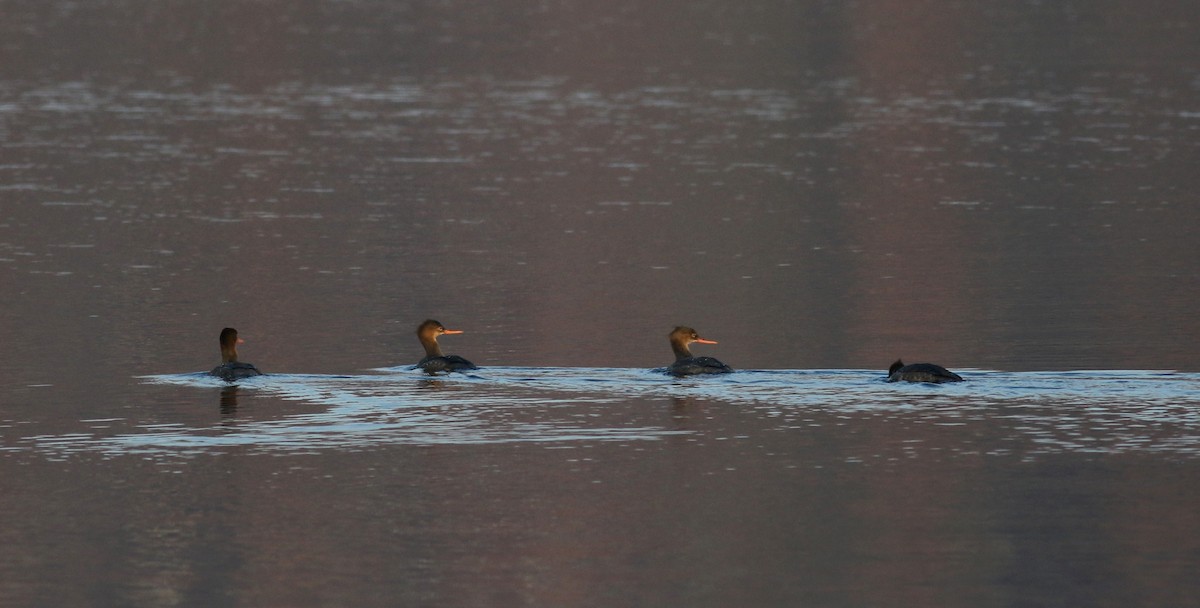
(687, 365)
(434, 360)
(921, 372)
(231, 369)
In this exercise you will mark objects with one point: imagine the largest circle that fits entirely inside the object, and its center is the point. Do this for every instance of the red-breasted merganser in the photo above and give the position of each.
(231, 369)
(921, 372)
(434, 360)
(685, 364)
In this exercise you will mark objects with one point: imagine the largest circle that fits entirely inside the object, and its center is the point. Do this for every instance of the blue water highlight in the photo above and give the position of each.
(1103, 412)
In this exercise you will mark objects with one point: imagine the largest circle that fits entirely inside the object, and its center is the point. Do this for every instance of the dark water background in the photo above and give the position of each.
(1005, 188)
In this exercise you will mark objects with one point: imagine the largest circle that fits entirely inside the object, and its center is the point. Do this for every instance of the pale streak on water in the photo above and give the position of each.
(1028, 414)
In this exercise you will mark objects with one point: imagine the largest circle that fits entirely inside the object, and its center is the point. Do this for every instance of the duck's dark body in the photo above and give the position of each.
(687, 365)
(235, 370)
(921, 372)
(697, 365)
(445, 363)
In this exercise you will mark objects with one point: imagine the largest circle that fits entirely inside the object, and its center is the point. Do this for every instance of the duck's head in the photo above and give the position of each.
(229, 342)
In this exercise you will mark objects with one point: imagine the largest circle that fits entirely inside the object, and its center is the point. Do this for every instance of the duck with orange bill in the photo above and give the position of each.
(434, 361)
(685, 363)
(230, 368)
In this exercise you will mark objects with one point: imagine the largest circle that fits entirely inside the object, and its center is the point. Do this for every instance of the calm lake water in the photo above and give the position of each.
(1006, 189)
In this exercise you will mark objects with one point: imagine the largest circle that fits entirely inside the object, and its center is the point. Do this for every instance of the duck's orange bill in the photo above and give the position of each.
(453, 331)
(703, 341)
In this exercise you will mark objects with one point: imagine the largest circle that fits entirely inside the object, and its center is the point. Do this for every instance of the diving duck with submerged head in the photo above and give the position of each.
(921, 372)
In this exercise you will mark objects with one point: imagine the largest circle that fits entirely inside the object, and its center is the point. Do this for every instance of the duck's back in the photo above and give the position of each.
(446, 363)
(924, 372)
(698, 365)
(235, 370)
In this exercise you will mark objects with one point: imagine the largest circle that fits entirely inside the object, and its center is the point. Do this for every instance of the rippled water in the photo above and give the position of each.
(1026, 414)
(454, 487)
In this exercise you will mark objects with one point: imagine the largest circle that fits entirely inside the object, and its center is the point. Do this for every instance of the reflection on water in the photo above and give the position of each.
(1024, 414)
(229, 402)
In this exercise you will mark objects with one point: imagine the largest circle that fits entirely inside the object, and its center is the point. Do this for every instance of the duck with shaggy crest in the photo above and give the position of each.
(434, 361)
(685, 363)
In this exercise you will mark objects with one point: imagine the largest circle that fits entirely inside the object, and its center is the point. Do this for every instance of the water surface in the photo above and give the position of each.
(616, 485)
(822, 187)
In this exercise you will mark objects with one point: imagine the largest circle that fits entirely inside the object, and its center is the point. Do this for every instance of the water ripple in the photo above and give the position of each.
(1092, 412)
